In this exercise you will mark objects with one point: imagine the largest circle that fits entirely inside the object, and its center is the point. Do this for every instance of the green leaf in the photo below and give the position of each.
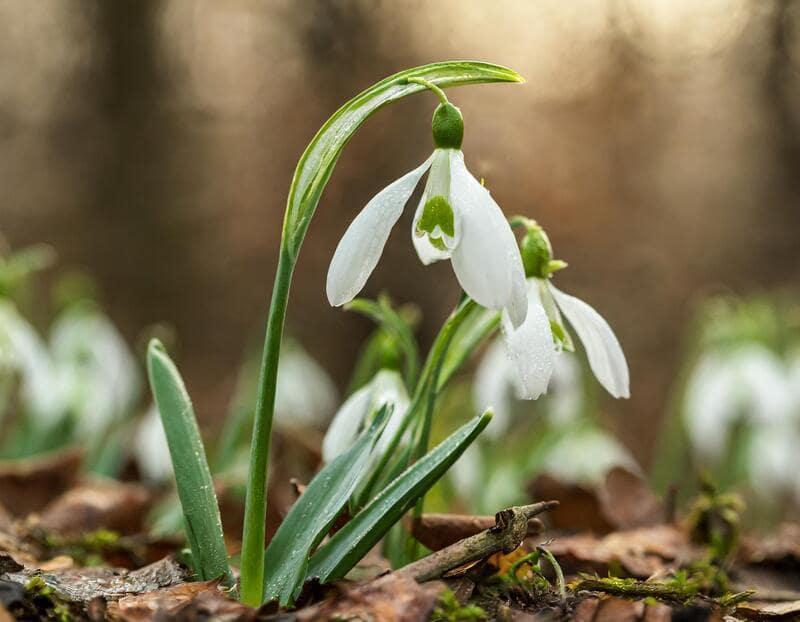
(318, 160)
(479, 326)
(192, 476)
(336, 557)
(390, 320)
(313, 513)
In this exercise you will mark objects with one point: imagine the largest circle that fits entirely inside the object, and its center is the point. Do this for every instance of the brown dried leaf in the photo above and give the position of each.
(770, 611)
(640, 552)
(186, 599)
(96, 504)
(781, 546)
(28, 485)
(392, 598)
(613, 609)
(622, 501)
(436, 531)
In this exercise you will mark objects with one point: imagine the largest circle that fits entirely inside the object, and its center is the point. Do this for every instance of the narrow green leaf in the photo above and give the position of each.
(192, 476)
(481, 324)
(317, 162)
(343, 551)
(313, 513)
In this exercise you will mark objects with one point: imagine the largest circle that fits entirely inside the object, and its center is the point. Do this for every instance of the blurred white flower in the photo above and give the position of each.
(586, 454)
(747, 383)
(96, 374)
(497, 384)
(774, 460)
(23, 353)
(386, 387)
(150, 448)
(305, 394)
(456, 219)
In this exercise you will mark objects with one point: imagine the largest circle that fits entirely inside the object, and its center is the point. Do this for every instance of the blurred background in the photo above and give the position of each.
(152, 145)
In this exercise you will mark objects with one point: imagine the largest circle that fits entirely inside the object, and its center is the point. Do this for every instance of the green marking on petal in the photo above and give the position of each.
(437, 218)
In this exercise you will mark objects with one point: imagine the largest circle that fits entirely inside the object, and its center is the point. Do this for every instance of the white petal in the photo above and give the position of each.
(346, 423)
(426, 251)
(151, 449)
(765, 384)
(361, 246)
(305, 395)
(586, 455)
(711, 404)
(531, 347)
(495, 381)
(605, 354)
(486, 261)
(565, 395)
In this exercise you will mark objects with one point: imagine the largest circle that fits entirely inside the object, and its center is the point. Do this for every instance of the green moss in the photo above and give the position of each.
(450, 610)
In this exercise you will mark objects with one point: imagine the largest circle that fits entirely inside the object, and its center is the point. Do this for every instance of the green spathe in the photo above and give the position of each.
(447, 126)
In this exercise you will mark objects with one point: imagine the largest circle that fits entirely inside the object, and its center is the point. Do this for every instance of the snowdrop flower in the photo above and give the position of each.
(23, 352)
(533, 345)
(774, 461)
(586, 455)
(305, 395)
(150, 448)
(456, 219)
(96, 373)
(498, 384)
(386, 387)
(748, 381)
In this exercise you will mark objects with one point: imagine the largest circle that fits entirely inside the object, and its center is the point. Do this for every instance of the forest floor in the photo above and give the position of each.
(73, 547)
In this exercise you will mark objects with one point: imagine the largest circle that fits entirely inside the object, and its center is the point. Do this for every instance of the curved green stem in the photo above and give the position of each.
(431, 86)
(252, 564)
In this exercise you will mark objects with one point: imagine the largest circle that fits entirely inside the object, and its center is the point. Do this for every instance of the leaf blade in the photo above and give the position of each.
(350, 544)
(192, 475)
(312, 515)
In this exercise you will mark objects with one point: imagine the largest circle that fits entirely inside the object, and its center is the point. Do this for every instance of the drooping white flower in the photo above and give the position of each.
(532, 346)
(305, 395)
(456, 219)
(586, 455)
(498, 384)
(386, 387)
(25, 354)
(96, 373)
(747, 382)
(150, 448)
(773, 460)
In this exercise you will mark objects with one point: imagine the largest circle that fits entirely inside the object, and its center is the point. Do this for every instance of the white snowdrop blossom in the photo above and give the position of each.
(96, 373)
(25, 355)
(150, 448)
(457, 219)
(748, 382)
(586, 455)
(774, 461)
(305, 395)
(386, 387)
(498, 384)
(533, 345)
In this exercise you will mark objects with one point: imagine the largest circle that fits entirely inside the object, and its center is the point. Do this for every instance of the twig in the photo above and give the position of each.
(508, 532)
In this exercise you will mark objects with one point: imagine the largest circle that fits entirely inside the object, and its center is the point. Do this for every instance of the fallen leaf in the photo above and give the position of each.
(781, 546)
(770, 611)
(95, 504)
(639, 552)
(27, 485)
(392, 598)
(161, 603)
(623, 500)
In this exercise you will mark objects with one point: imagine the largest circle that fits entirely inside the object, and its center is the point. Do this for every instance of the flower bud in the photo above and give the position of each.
(537, 253)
